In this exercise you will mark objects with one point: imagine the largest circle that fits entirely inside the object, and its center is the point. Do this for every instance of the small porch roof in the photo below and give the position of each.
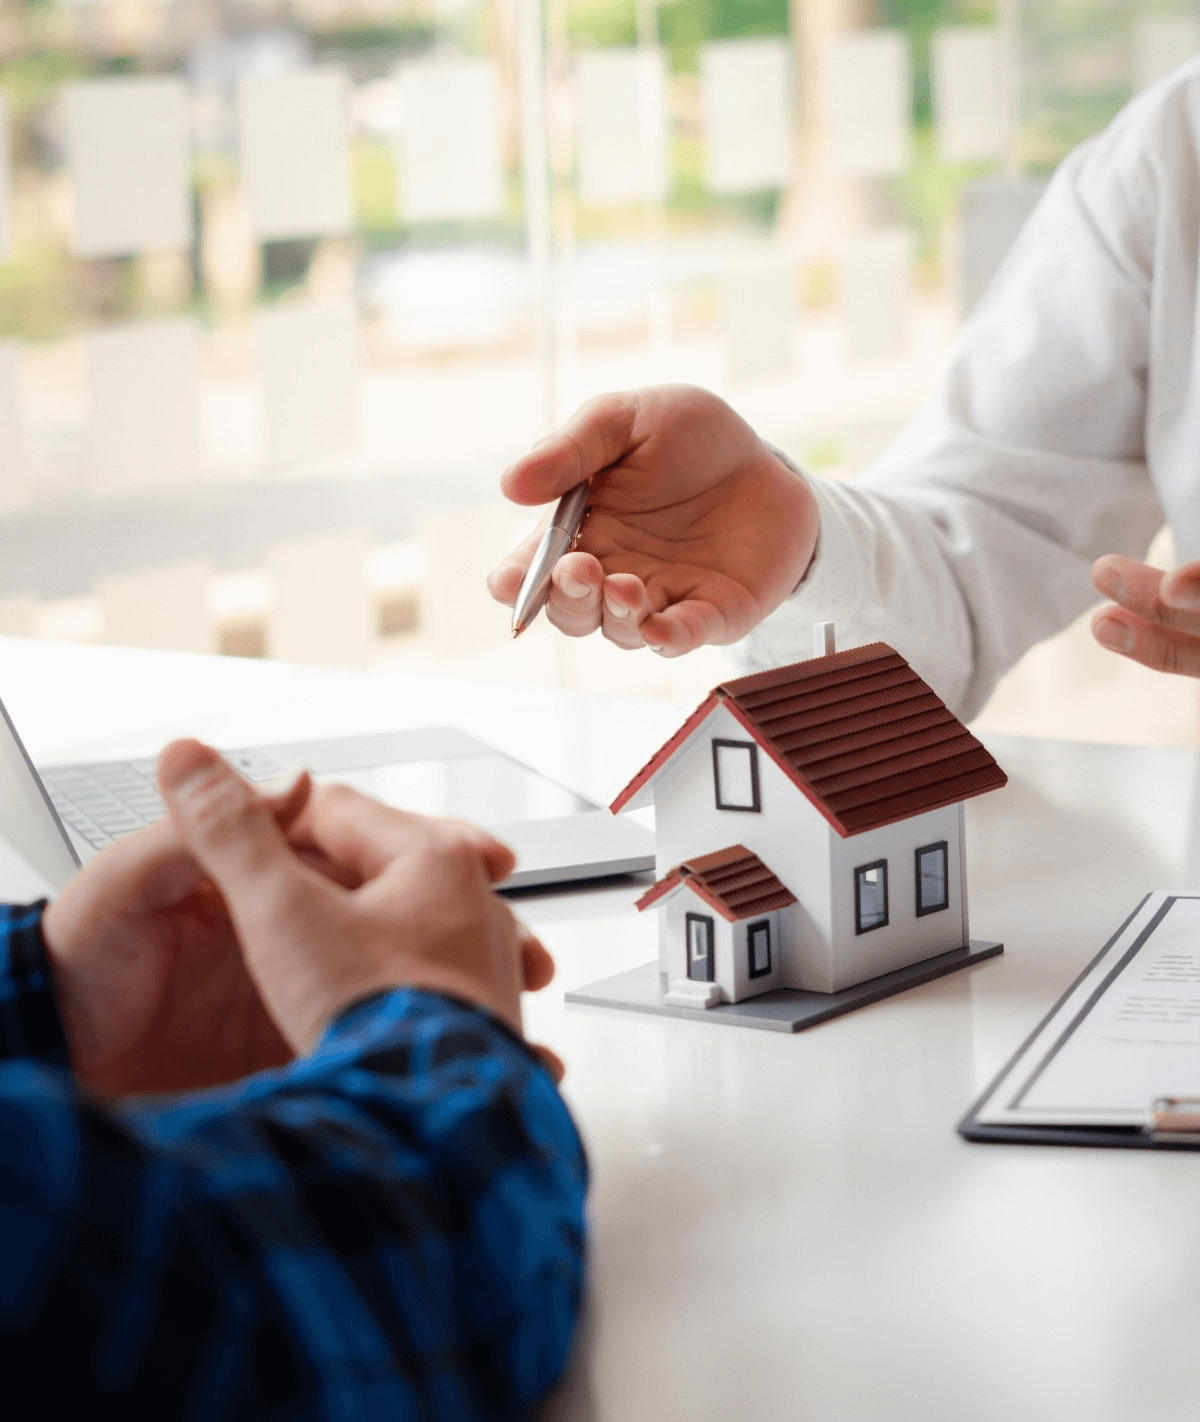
(734, 881)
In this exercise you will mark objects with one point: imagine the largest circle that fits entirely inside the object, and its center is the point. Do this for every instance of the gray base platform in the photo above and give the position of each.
(785, 1010)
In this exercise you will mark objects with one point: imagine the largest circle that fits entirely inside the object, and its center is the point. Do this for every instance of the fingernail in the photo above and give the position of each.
(615, 609)
(1185, 595)
(572, 587)
(184, 764)
(1111, 584)
(1114, 635)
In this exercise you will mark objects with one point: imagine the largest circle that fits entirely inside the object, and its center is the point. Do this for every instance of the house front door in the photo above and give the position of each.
(700, 948)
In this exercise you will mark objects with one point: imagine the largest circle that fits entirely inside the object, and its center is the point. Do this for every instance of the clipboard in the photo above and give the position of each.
(1168, 1122)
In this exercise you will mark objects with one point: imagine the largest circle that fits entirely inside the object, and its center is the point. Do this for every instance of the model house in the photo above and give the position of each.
(812, 819)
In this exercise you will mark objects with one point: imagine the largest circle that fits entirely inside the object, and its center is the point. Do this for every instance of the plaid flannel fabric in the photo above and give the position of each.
(391, 1227)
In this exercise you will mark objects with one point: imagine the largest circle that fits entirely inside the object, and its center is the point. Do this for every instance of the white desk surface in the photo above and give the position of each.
(789, 1227)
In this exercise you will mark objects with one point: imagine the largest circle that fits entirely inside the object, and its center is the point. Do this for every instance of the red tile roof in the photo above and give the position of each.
(858, 732)
(734, 881)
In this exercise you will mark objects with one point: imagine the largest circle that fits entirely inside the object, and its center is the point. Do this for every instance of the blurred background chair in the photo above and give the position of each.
(17, 613)
(322, 610)
(164, 606)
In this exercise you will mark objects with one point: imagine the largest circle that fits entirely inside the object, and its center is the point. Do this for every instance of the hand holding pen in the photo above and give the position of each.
(696, 529)
(561, 536)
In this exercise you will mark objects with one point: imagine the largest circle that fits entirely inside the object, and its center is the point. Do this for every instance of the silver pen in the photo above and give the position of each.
(561, 535)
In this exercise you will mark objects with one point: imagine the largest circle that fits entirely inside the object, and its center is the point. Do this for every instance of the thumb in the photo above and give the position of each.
(227, 827)
(597, 435)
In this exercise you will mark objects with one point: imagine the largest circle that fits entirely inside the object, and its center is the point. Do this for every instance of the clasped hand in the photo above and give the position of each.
(223, 939)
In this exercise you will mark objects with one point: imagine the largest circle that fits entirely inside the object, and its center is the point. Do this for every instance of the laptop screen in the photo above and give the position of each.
(28, 821)
(487, 789)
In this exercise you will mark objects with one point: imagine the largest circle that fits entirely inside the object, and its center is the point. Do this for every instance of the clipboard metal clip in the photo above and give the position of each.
(1174, 1118)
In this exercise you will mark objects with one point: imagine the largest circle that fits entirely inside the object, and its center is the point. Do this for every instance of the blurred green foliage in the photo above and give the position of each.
(918, 19)
(36, 296)
(1075, 76)
(408, 35)
(377, 186)
(927, 195)
(30, 80)
(605, 23)
(373, 175)
(371, 50)
(823, 453)
(285, 265)
(683, 25)
(690, 199)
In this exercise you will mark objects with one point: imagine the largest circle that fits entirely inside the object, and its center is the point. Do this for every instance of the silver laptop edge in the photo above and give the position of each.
(28, 819)
(50, 816)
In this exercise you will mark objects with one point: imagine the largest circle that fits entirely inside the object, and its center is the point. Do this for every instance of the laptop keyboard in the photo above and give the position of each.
(102, 802)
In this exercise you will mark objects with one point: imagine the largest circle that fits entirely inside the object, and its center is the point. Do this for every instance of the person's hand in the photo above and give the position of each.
(1154, 617)
(148, 973)
(697, 529)
(414, 905)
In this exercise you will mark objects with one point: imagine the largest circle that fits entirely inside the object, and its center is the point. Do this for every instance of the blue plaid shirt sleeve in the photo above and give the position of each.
(391, 1227)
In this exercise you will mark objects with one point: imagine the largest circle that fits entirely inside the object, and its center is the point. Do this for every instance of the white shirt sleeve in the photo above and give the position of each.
(971, 539)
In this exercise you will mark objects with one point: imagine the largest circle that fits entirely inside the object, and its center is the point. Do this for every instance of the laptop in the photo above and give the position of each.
(59, 817)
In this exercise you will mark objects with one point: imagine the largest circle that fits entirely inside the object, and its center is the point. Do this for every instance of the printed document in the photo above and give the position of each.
(1127, 1032)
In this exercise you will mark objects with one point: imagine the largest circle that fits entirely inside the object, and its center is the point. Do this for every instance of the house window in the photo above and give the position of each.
(870, 896)
(700, 965)
(758, 947)
(735, 775)
(933, 887)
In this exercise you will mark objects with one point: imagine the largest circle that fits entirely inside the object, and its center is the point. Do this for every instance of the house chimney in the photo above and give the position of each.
(823, 639)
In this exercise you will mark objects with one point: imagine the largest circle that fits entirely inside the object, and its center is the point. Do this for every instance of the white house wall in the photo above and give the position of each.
(905, 938)
(672, 935)
(673, 916)
(789, 835)
(743, 984)
(722, 953)
(962, 871)
(664, 945)
(731, 963)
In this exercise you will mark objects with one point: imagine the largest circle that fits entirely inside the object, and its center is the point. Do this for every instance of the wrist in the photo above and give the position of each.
(305, 1025)
(72, 991)
(402, 998)
(808, 523)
